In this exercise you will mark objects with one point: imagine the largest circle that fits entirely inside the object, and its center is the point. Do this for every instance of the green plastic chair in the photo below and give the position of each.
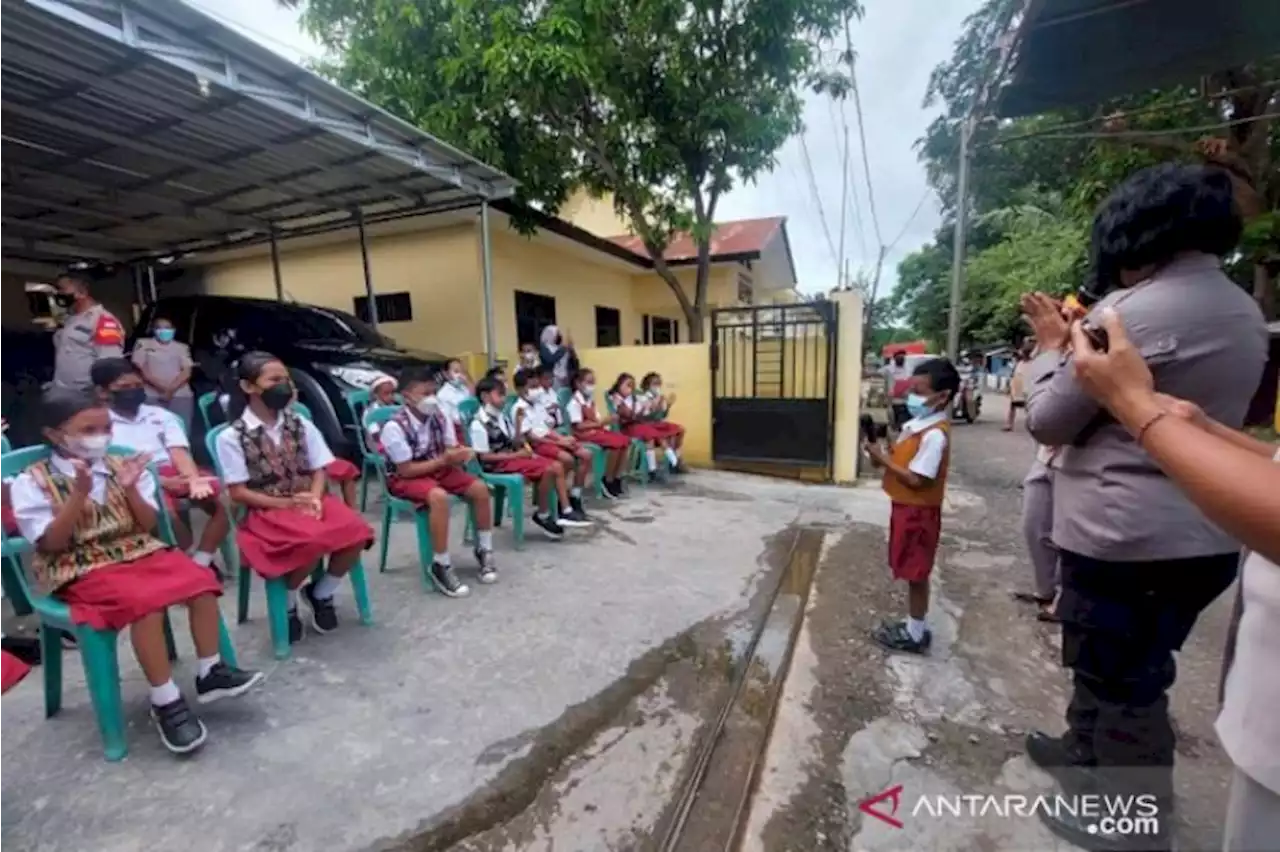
(97, 647)
(395, 506)
(599, 461)
(11, 569)
(507, 488)
(637, 467)
(205, 402)
(277, 592)
(370, 461)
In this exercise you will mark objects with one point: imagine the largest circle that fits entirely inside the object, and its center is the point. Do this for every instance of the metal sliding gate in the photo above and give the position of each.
(773, 379)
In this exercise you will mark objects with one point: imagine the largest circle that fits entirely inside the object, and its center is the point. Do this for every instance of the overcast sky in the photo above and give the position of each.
(898, 44)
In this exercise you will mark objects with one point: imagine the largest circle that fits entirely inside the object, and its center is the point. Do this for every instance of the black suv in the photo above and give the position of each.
(327, 351)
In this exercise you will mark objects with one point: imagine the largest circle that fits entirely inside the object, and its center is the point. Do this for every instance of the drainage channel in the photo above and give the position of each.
(712, 807)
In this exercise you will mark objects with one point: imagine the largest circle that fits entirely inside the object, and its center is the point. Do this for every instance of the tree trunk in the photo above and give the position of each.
(692, 311)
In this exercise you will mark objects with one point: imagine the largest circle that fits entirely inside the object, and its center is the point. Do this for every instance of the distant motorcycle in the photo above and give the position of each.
(968, 403)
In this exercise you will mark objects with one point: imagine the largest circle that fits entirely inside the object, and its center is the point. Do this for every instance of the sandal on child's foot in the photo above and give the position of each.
(895, 637)
(488, 567)
(447, 582)
(181, 731)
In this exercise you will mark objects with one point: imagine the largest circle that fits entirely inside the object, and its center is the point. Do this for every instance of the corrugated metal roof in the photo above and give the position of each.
(1073, 53)
(138, 128)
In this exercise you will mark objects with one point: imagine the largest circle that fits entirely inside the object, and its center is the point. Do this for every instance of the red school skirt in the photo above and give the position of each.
(645, 431)
(279, 541)
(116, 596)
(452, 480)
(341, 470)
(12, 671)
(548, 450)
(605, 438)
(531, 468)
(913, 541)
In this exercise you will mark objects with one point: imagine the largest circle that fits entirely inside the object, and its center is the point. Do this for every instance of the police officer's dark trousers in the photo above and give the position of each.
(1121, 623)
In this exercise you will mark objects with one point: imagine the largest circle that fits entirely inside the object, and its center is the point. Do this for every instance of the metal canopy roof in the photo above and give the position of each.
(143, 128)
(1080, 52)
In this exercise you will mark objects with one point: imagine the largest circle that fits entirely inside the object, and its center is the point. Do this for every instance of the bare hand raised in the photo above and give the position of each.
(131, 469)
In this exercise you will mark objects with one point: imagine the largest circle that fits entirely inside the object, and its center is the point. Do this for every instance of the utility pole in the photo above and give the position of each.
(961, 227)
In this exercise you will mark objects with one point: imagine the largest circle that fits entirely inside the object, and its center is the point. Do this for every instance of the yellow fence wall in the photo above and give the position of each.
(795, 368)
(685, 370)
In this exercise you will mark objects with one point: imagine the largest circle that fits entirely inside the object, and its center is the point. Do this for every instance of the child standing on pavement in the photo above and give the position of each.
(915, 478)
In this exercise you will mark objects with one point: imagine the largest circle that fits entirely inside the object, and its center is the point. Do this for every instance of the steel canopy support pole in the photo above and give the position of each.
(151, 283)
(486, 267)
(275, 266)
(958, 248)
(368, 275)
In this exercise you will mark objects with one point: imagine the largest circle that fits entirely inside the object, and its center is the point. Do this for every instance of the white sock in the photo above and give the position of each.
(326, 586)
(206, 664)
(441, 559)
(651, 456)
(575, 491)
(672, 458)
(916, 628)
(484, 539)
(202, 558)
(165, 693)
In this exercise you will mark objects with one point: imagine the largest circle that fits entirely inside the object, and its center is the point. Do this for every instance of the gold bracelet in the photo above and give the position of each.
(1142, 430)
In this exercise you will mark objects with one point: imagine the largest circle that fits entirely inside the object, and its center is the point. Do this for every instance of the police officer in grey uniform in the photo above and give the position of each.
(89, 333)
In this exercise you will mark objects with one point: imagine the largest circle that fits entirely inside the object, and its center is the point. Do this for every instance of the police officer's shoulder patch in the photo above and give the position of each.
(108, 331)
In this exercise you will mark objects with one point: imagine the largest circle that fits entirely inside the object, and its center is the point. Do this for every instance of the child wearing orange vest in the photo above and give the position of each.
(915, 478)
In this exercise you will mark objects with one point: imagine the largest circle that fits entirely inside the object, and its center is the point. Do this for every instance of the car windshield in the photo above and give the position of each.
(310, 322)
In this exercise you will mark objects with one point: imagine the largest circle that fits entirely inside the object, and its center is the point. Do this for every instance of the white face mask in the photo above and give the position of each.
(91, 448)
(530, 358)
(428, 405)
(655, 390)
(456, 378)
(588, 391)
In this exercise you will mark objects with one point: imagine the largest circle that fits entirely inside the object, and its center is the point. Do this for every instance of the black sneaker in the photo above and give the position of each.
(576, 504)
(575, 517)
(488, 566)
(895, 637)
(447, 582)
(613, 487)
(553, 530)
(295, 627)
(653, 477)
(181, 731)
(606, 485)
(679, 468)
(324, 618)
(224, 681)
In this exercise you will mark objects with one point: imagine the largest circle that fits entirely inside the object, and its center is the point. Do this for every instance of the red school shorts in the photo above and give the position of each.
(548, 449)
(531, 468)
(341, 470)
(452, 480)
(913, 541)
(604, 438)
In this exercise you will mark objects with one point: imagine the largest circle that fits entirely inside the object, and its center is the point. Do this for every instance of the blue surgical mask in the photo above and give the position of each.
(164, 335)
(918, 406)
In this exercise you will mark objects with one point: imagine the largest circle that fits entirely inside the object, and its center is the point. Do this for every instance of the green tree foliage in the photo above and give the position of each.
(1036, 181)
(664, 104)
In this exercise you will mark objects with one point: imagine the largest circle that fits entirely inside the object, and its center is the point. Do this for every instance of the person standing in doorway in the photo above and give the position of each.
(557, 353)
(90, 332)
(165, 366)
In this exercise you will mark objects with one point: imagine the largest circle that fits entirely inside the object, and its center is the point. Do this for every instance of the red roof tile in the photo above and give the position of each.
(744, 236)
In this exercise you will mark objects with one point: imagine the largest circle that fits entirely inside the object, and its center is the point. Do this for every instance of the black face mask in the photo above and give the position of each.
(279, 397)
(128, 400)
(64, 300)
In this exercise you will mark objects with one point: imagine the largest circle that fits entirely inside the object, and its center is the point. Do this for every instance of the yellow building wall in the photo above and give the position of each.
(685, 372)
(653, 296)
(438, 268)
(577, 285)
(594, 214)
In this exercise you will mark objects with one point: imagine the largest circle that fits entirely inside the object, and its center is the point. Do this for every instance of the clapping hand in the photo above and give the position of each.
(83, 482)
(875, 452)
(199, 488)
(1045, 316)
(131, 470)
(458, 455)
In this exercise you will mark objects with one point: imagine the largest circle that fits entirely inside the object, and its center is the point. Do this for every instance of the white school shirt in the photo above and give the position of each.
(153, 431)
(928, 459)
(480, 435)
(34, 511)
(536, 420)
(397, 446)
(231, 454)
(375, 428)
(578, 406)
(451, 397)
